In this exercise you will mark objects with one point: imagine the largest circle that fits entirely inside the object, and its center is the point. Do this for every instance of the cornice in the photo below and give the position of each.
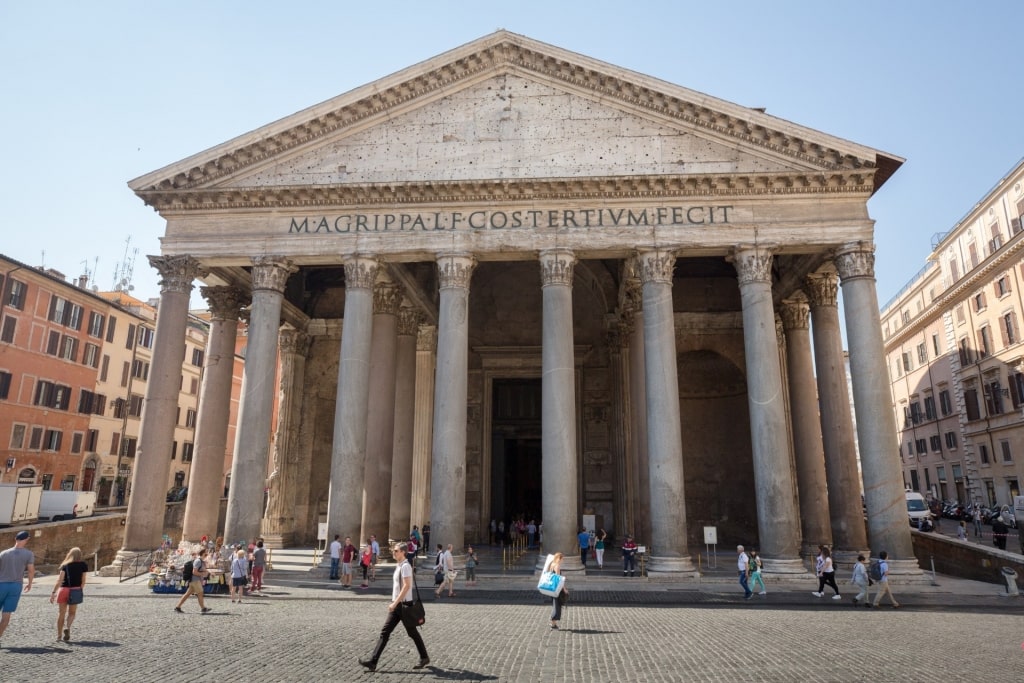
(956, 294)
(576, 73)
(604, 188)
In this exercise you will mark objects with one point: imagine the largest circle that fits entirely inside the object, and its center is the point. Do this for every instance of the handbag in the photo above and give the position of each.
(551, 584)
(413, 613)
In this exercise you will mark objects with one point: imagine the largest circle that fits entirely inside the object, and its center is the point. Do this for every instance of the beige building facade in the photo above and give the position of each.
(956, 360)
(513, 281)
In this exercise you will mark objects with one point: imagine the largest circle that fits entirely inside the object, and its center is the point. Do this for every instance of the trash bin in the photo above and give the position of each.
(1011, 581)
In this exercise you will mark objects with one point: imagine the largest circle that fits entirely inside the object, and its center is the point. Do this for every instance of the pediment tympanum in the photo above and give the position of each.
(508, 111)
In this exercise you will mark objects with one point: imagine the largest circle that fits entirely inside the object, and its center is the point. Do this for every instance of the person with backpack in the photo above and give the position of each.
(881, 570)
(195, 583)
(754, 565)
(860, 580)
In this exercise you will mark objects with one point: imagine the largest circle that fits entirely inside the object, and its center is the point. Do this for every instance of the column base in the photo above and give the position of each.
(845, 559)
(908, 572)
(669, 567)
(794, 568)
(570, 564)
(278, 539)
(132, 563)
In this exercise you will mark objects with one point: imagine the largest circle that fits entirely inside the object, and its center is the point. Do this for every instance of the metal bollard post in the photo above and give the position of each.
(931, 558)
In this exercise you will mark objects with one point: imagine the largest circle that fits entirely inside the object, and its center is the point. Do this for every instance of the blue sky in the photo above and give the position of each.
(96, 94)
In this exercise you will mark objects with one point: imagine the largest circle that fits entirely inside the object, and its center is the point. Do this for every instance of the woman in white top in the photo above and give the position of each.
(828, 575)
(401, 596)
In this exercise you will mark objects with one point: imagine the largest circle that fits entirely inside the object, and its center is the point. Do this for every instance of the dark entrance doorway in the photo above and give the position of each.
(516, 450)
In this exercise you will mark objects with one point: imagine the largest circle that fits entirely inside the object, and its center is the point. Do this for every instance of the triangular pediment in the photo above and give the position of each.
(508, 109)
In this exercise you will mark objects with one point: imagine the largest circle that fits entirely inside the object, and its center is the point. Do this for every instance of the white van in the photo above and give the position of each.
(917, 508)
(58, 505)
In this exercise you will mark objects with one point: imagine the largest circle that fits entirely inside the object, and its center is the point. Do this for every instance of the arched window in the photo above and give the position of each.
(27, 476)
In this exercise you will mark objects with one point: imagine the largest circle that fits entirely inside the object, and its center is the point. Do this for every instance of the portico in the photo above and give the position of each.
(536, 215)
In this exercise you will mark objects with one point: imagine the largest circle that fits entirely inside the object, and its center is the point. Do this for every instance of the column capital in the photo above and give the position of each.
(360, 271)
(656, 265)
(455, 270)
(225, 302)
(387, 297)
(408, 321)
(822, 289)
(613, 332)
(753, 263)
(177, 272)
(293, 341)
(271, 272)
(426, 338)
(795, 313)
(556, 267)
(856, 260)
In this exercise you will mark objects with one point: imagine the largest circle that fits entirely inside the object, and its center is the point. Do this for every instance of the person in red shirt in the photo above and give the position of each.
(629, 556)
(348, 554)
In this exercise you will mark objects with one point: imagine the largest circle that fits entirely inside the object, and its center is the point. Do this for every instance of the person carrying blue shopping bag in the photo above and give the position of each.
(552, 584)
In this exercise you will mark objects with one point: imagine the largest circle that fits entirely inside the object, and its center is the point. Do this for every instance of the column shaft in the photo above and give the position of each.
(202, 508)
(844, 486)
(380, 427)
(807, 444)
(278, 524)
(773, 475)
(348, 452)
(405, 415)
(448, 468)
(876, 430)
(669, 547)
(145, 521)
(255, 413)
(559, 468)
(426, 345)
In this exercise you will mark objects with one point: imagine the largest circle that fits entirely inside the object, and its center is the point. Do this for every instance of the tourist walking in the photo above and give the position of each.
(584, 542)
(743, 565)
(755, 566)
(562, 598)
(348, 555)
(375, 555)
(195, 584)
(860, 580)
(599, 547)
(238, 567)
(827, 575)
(448, 565)
(471, 562)
(259, 564)
(68, 591)
(364, 562)
(883, 584)
(439, 571)
(401, 599)
(15, 563)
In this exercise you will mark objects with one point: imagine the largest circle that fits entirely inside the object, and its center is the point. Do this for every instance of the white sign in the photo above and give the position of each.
(589, 521)
(711, 535)
(321, 531)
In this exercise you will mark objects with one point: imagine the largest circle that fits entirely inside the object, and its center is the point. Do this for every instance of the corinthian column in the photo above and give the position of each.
(279, 520)
(845, 510)
(876, 430)
(423, 424)
(405, 415)
(255, 413)
(640, 522)
(670, 552)
(202, 508)
(559, 471)
(348, 453)
(448, 469)
(144, 526)
(773, 476)
(803, 408)
(380, 428)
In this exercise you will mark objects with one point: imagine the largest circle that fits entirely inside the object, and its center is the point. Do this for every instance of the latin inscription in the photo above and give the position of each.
(511, 220)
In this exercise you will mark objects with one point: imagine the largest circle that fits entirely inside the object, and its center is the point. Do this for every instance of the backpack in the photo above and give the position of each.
(752, 565)
(186, 571)
(875, 570)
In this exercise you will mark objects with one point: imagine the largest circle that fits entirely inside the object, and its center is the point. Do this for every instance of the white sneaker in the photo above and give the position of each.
(816, 594)
(837, 597)
(763, 593)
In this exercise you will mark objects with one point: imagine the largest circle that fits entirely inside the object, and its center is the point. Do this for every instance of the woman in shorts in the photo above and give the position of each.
(239, 566)
(68, 591)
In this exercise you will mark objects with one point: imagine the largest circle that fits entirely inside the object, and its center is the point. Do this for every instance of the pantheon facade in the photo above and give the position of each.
(514, 280)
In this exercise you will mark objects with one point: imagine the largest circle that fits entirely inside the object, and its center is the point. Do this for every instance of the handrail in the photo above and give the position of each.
(134, 561)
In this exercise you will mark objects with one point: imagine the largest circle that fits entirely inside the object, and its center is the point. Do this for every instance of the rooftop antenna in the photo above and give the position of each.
(123, 271)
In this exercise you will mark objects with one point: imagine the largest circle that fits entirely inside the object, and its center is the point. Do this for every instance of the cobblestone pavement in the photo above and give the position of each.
(307, 629)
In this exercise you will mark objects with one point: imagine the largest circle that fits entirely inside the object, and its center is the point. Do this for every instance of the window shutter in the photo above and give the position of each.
(1002, 331)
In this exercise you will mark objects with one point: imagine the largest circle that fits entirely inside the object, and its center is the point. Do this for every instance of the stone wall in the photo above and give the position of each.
(965, 559)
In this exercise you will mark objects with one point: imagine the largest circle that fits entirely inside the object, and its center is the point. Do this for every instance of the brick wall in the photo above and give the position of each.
(967, 560)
